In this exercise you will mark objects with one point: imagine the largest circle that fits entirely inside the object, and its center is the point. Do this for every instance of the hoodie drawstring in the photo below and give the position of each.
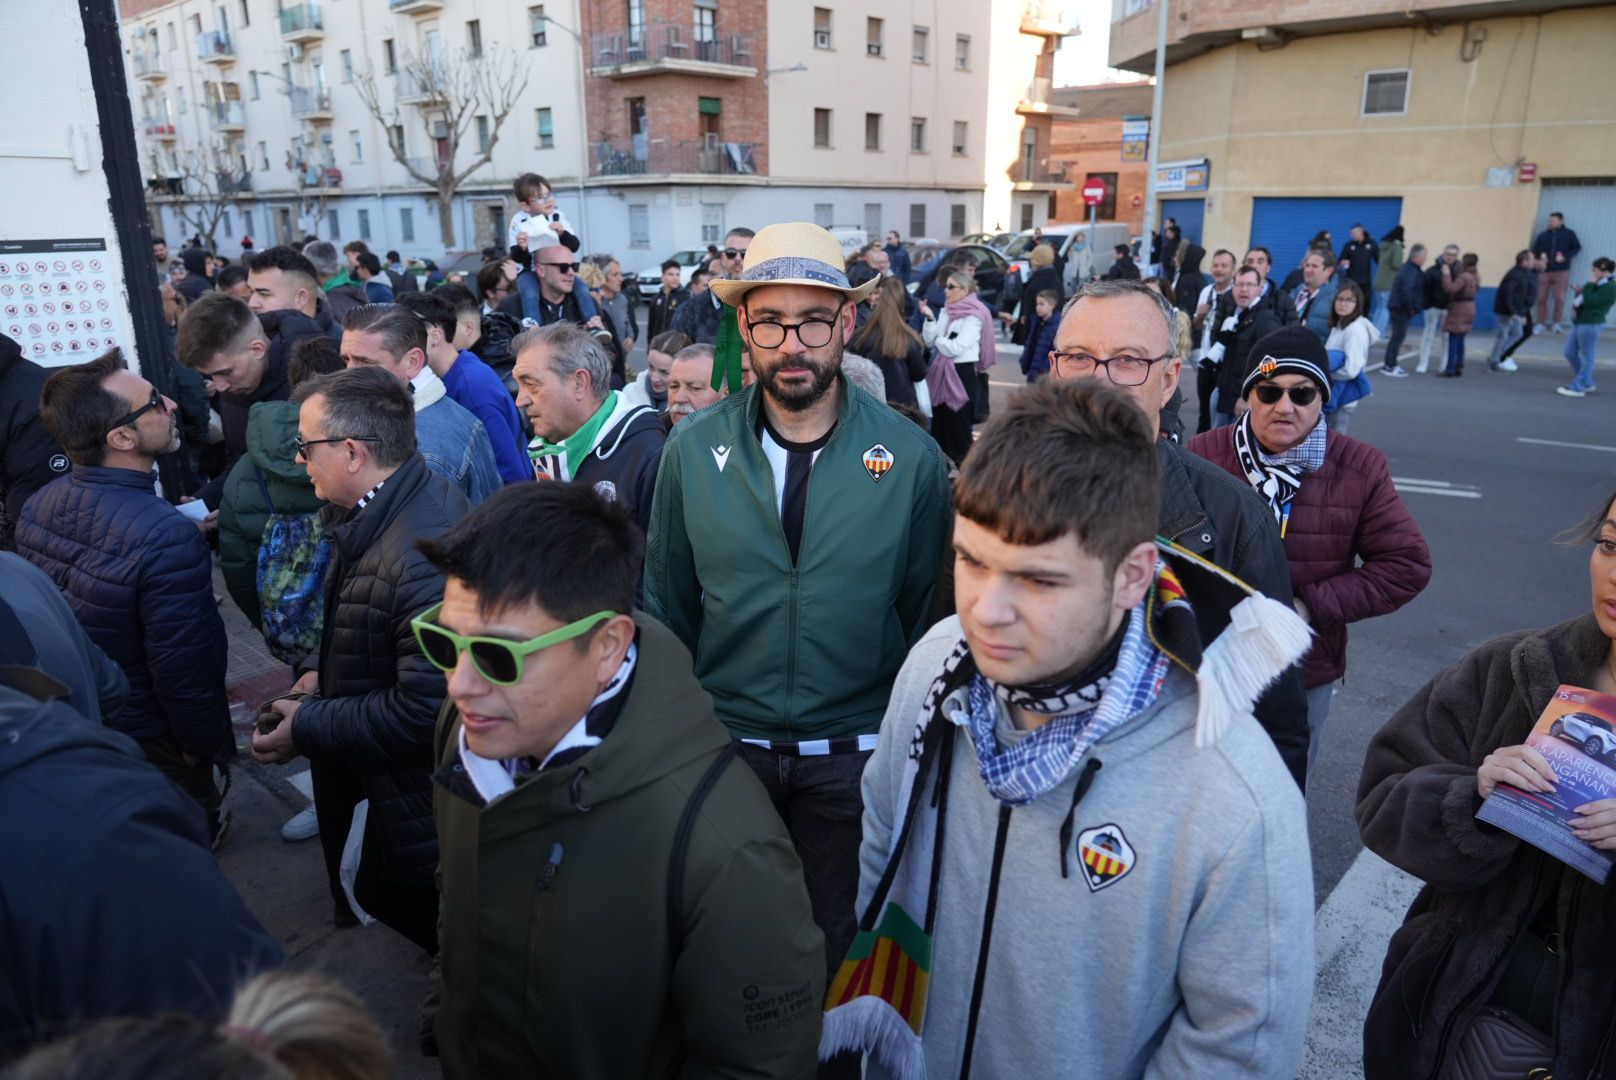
(1084, 781)
(576, 791)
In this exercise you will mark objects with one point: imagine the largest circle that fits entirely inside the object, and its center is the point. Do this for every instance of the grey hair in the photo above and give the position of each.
(1110, 290)
(366, 403)
(571, 348)
(698, 351)
(399, 328)
(323, 254)
(1417, 249)
(865, 375)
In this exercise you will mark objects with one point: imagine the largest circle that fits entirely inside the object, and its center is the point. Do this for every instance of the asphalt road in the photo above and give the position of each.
(1490, 508)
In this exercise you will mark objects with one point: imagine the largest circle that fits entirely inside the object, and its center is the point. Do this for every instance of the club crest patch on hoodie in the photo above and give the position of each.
(1106, 855)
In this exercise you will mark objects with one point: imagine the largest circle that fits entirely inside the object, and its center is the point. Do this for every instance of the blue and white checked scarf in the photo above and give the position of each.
(1037, 764)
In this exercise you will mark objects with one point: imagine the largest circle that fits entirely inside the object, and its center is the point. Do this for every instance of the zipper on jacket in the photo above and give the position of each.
(980, 984)
(1470, 999)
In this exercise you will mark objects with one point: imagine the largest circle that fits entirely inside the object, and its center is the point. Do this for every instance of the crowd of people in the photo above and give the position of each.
(780, 709)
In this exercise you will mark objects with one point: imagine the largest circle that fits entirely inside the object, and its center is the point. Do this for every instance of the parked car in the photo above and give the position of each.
(1103, 236)
(1591, 733)
(853, 239)
(996, 280)
(997, 241)
(649, 278)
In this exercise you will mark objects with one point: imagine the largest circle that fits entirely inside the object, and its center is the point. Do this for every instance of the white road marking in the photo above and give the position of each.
(1569, 445)
(1350, 935)
(1410, 489)
(1411, 486)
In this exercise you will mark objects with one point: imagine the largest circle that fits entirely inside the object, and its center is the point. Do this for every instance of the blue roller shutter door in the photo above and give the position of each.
(1190, 215)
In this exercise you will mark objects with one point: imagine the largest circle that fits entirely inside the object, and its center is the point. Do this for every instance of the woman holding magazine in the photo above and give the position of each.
(1507, 960)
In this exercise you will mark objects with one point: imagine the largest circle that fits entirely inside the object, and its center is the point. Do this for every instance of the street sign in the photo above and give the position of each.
(1093, 192)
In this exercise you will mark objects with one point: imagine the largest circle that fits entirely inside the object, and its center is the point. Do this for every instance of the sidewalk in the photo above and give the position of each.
(285, 885)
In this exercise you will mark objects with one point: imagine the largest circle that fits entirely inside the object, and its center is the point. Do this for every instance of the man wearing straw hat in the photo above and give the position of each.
(794, 545)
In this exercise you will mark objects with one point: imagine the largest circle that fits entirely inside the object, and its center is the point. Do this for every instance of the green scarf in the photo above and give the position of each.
(576, 446)
(727, 351)
(339, 281)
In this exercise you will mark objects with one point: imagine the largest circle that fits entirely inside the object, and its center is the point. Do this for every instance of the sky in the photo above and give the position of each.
(1082, 59)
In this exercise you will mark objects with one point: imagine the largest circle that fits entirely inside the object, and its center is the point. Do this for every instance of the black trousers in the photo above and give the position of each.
(410, 910)
(195, 778)
(1206, 383)
(952, 430)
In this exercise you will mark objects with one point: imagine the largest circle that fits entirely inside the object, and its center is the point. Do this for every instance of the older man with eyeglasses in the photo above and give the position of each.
(794, 548)
(373, 699)
(1126, 331)
(134, 570)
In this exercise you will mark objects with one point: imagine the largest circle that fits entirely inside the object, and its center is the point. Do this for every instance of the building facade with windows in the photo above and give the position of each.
(661, 123)
(1465, 122)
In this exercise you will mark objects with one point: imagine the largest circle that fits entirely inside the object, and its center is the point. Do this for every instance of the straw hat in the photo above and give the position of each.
(793, 253)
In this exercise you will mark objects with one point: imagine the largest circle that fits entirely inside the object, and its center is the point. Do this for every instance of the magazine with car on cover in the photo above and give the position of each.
(1577, 736)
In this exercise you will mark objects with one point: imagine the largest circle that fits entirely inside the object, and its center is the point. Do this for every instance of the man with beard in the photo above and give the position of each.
(794, 548)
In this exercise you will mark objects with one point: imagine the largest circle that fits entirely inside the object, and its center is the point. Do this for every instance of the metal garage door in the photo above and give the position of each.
(1190, 215)
(1284, 226)
(1589, 207)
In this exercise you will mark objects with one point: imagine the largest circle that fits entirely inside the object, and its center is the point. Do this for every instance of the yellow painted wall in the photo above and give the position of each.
(1285, 122)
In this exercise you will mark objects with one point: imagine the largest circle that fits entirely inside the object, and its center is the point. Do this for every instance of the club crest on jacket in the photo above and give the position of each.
(1106, 855)
(877, 460)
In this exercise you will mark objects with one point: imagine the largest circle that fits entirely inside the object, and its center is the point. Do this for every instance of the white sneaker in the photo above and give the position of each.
(303, 825)
(1508, 364)
(1539, 329)
(1568, 392)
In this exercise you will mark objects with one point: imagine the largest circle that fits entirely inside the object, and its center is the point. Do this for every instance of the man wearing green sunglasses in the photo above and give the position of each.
(608, 874)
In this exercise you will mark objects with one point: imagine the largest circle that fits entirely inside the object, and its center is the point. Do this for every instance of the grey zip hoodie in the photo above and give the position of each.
(1195, 960)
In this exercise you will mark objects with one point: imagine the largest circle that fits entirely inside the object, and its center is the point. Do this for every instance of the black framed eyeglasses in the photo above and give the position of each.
(156, 402)
(813, 333)
(1121, 370)
(1270, 393)
(302, 445)
(565, 268)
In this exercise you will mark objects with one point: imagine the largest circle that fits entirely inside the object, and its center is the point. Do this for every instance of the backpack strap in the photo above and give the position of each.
(681, 842)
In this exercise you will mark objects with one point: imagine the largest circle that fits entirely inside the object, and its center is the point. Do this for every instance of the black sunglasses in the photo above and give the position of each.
(156, 402)
(733, 253)
(1269, 394)
(565, 268)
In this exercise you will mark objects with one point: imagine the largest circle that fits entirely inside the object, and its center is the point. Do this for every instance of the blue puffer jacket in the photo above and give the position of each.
(138, 577)
(1408, 291)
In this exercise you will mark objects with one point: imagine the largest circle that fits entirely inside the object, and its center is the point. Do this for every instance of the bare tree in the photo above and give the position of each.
(212, 177)
(314, 177)
(449, 96)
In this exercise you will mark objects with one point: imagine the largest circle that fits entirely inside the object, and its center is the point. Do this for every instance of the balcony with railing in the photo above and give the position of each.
(148, 64)
(302, 22)
(1045, 18)
(415, 7)
(310, 103)
(672, 48)
(1040, 174)
(159, 127)
(215, 47)
(1037, 100)
(419, 85)
(227, 115)
(640, 156)
(233, 183)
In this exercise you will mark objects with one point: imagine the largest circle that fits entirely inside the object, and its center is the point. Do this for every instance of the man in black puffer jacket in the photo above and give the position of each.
(367, 726)
(30, 457)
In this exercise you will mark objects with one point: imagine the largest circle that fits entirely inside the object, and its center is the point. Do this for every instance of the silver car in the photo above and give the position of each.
(1591, 733)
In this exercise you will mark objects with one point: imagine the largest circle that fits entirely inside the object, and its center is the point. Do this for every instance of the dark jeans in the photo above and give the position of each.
(823, 807)
(952, 430)
(1394, 342)
(410, 910)
(194, 778)
(1205, 383)
(1456, 349)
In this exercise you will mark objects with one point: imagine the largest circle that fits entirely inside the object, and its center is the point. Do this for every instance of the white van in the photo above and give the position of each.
(1103, 237)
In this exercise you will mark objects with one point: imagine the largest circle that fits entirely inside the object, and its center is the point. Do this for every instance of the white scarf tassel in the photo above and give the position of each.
(1263, 638)
(874, 1027)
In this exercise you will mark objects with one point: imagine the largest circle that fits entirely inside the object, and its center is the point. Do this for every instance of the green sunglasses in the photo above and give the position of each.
(499, 660)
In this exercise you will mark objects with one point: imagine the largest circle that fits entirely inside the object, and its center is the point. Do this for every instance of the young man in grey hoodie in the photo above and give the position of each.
(1081, 854)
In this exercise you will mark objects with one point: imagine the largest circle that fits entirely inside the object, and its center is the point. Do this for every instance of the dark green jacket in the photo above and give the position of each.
(807, 651)
(558, 957)
(243, 513)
